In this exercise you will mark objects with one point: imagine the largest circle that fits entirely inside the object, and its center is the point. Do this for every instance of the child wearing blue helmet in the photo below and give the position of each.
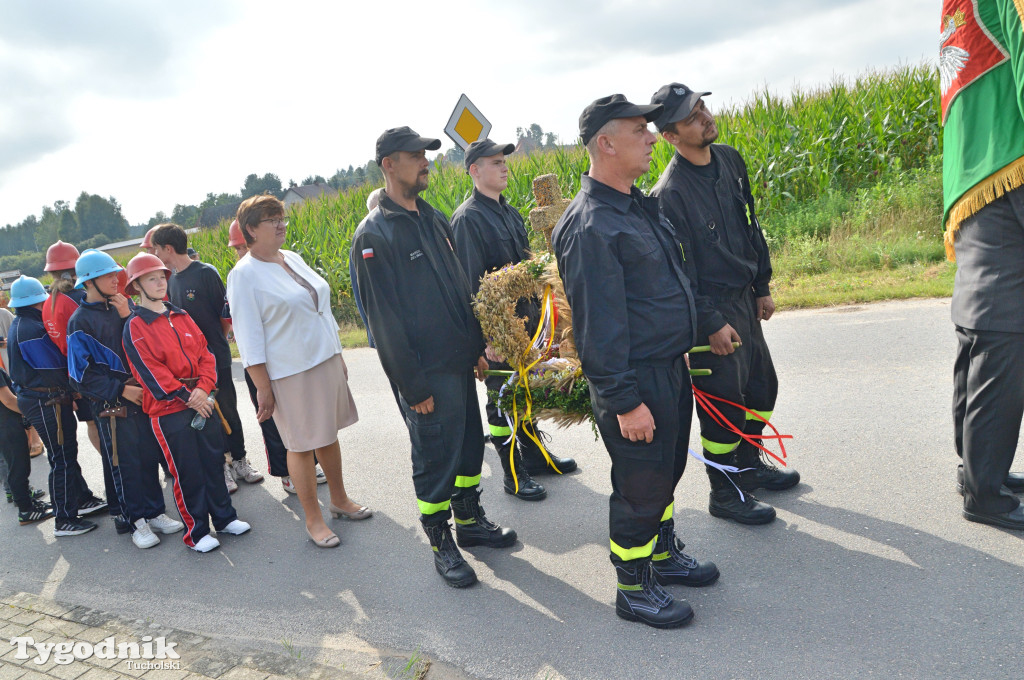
(98, 369)
(39, 372)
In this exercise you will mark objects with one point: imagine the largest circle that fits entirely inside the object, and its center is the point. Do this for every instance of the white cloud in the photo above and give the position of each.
(160, 104)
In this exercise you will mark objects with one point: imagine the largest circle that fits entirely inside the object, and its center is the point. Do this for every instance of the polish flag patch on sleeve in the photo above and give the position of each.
(367, 253)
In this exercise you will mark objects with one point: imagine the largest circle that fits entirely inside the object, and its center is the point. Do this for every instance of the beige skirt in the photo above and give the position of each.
(310, 407)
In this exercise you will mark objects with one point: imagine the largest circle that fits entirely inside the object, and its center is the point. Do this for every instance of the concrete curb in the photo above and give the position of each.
(202, 657)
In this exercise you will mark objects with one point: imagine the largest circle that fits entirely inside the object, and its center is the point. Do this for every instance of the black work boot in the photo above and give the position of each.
(674, 567)
(725, 498)
(640, 598)
(764, 474)
(534, 460)
(447, 558)
(529, 490)
(472, 526)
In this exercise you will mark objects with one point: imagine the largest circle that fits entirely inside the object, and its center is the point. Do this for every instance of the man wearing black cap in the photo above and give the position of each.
(489, 234)
(417, 302)
(705, 193)
(633, 320)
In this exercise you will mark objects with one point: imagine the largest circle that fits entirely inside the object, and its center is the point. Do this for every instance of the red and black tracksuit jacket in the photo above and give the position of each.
(163, 349)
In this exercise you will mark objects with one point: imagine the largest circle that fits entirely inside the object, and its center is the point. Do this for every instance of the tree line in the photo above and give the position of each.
(91, 221)
(94, 221)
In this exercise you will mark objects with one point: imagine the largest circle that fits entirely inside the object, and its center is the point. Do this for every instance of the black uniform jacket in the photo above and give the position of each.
(716, 225)
(490, 234)
(416, 296)
(624, 279)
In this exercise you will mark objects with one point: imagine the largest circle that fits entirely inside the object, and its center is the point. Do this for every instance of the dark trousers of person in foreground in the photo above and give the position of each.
(644, 476)
(988, 403)
(988, 375)
(447, 445)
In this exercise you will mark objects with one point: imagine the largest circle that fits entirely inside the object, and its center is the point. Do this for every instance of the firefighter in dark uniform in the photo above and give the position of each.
(417, 302)
(633, 320)
(490, 234)
(704, 191)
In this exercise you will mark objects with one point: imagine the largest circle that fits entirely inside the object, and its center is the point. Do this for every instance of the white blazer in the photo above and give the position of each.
(274, 319)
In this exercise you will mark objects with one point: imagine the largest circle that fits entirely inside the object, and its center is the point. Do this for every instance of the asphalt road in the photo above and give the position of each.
(869, 569)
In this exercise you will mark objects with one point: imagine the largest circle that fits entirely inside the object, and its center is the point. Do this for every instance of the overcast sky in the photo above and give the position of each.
(157, 103)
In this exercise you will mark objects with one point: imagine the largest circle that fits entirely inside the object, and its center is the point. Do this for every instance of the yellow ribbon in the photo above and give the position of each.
(547, 315)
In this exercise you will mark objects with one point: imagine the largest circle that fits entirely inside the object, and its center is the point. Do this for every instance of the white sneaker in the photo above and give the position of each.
(229, 479)
(206, 544)
(321, 478)
(286, 482)
(243, 470)
(165, 525)
(143, 536)
(235, 528)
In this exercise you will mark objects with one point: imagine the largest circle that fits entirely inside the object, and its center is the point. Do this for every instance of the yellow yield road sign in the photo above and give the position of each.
(467, 124)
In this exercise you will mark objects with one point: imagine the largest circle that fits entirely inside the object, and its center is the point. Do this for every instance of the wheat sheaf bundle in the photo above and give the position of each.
(559, 390)
(559, 394)
(495, 309)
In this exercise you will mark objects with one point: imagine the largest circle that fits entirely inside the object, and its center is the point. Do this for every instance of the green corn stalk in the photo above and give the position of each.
(797, 148)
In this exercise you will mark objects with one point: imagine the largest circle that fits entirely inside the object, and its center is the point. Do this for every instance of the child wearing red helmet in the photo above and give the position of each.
(170, 360)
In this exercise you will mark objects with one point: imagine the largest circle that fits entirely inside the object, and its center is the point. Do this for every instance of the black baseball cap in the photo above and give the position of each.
(403, 139)
(602, 110)
(483, 148)
(678, 101)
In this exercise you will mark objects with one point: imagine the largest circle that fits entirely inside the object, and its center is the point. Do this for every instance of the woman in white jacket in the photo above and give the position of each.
(288, 341)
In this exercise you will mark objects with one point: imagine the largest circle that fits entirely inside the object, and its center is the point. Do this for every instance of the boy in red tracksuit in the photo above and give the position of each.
(169, 358)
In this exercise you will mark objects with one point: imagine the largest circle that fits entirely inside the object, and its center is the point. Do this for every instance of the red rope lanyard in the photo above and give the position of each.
(704, 401)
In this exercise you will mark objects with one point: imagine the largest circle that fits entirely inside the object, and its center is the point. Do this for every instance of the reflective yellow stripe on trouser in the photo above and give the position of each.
(466, 482)
(717, 448)
(499, 430)
(664, 518)
(767, 415)
(627, 554)
(432, 508)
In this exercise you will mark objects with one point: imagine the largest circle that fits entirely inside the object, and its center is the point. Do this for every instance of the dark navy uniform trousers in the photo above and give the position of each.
(196, 461)
(67, 486)
(135, 478)
(645, 475)
(447, 445)
(747, 376)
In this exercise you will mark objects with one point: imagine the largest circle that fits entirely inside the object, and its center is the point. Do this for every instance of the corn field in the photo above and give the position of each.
(798, 148)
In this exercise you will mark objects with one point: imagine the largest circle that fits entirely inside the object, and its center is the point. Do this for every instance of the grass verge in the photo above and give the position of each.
(869, 285)
(881, 242)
